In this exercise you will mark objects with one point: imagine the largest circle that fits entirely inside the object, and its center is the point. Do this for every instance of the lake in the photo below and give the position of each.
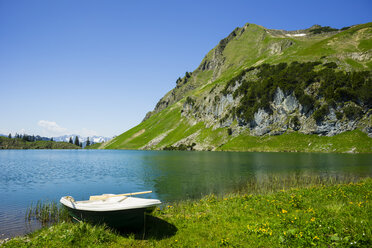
(27, 176)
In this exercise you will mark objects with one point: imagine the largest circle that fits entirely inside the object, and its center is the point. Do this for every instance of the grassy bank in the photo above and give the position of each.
(308, 212)
(352, 141)
(6, 143)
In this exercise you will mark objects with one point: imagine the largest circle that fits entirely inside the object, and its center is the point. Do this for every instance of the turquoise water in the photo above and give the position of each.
(30, 175)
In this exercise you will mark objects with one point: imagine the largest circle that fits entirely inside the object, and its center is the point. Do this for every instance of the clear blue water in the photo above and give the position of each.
(27, 176)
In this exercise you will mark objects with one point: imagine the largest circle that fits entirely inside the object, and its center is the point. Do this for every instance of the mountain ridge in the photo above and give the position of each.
(214, 60)
(198, 105)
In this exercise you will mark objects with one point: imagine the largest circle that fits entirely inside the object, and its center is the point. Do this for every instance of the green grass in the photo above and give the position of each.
(212, 138)
(46, 213)
(6, 143)
(349, 40)
(351, 141)
(366, 44)
(308, 211)
(183, 130)
(94, 146)
(146, 131)
(354, 64)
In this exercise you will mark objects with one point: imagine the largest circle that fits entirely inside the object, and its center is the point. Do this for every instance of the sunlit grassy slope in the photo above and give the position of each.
(94, 146)
(353, 141)
(253, 45)
(140, 135)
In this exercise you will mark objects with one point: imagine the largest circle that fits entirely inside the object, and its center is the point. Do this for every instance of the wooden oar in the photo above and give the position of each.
(103, 197)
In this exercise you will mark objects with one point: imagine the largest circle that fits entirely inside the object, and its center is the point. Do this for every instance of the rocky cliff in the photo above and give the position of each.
(222, 106)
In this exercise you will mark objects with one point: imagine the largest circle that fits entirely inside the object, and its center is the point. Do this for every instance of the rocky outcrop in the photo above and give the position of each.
(287, 114)
(216, 60)
(279, 47)
(361, 56)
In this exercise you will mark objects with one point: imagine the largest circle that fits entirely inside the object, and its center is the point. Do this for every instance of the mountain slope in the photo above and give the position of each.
(260, 82)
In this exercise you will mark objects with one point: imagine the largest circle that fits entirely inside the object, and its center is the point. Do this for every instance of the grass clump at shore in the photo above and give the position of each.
(46, 213)
(293, 212)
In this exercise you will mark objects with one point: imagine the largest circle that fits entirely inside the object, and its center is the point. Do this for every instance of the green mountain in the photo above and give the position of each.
(268, 90)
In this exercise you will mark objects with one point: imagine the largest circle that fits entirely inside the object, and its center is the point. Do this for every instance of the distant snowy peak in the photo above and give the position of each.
(99, 139)
(94, 139)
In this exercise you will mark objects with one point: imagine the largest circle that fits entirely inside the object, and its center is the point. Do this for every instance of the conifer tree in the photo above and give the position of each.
(77, 141)
(70, 141)
(10, 136)
(88, 142)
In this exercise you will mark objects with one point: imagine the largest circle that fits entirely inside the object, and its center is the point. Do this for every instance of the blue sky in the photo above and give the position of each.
(96, 67)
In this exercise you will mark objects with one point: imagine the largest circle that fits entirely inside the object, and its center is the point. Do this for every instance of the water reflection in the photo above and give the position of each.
(180, 175)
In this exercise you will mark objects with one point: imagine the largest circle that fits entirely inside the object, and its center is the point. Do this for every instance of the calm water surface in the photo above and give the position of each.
(27, 176)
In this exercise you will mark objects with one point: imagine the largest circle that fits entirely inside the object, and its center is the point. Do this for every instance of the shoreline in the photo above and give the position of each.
(355, 141)
(316, 214)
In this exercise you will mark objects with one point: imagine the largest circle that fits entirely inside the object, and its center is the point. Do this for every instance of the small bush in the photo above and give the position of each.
(325, 29)
(295, 122)
(190, 101)
(353, 112)
(307, 102)
(331, 65)
(339, 115)
(320, 113)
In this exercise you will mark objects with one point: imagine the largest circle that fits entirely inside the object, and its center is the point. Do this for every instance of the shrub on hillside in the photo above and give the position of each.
(337, 87)
(353, 112)
(320, 113)
(325, 29)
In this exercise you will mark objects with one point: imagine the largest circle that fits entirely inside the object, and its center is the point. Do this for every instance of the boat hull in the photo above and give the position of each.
(128, 218)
